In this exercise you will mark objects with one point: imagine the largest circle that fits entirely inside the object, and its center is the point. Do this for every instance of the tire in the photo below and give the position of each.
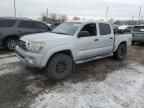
(11, 43)
(133, 43)
(59, 67)
(121, 52)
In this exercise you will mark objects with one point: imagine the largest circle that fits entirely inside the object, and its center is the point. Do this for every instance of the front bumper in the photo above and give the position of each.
(29, 58)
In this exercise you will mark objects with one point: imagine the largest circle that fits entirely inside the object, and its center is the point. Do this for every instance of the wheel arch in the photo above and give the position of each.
(67, 52)
(123, 42)
(8, 37)
(51, 53)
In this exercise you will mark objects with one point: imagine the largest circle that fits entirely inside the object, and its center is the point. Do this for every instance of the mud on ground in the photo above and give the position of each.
(20, 85)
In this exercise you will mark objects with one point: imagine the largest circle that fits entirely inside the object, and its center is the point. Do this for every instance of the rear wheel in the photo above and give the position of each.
(59, 67)
(11, 43)
(133, 43)
(121, 52)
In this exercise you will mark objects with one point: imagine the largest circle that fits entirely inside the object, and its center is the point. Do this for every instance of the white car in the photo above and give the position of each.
(125, 29)
(71, 43)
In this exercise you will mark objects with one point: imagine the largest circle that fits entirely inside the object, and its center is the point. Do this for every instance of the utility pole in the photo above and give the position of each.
(47, 12)
(15, 8)
(139, 14)
(107, 10)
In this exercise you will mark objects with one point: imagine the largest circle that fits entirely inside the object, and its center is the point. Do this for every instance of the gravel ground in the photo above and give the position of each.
(104, 83)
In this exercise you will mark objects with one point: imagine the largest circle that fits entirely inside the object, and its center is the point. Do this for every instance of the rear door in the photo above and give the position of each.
(106, 38)
(26, 27)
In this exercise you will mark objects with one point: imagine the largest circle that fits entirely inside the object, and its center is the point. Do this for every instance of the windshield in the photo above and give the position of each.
(138, 29)
(67, 28)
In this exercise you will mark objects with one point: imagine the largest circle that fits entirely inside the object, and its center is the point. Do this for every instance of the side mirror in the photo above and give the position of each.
(83, 34)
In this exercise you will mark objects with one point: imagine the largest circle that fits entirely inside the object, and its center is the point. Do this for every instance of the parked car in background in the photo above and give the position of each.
(71, 43)
(54, 25)
(124, 29)
(138, 34)
(11, 29)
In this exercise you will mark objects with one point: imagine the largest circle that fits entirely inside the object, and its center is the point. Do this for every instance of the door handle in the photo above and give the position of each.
(96, 40)
(111, 37)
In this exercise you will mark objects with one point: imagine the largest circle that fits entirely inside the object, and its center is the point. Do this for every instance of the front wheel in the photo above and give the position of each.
(121, 52)
(11, 43)
(59, 67)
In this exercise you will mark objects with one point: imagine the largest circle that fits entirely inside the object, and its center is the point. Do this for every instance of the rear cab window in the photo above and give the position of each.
(7, 23)
(105, 29)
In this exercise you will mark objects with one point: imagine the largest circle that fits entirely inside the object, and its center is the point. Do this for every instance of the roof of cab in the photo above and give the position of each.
(89, 21)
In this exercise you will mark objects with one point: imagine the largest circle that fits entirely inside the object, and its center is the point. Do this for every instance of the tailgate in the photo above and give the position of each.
(138, 35)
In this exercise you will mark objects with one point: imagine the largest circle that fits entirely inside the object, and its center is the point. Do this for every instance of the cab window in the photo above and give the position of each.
(91, 29)
(104, 29)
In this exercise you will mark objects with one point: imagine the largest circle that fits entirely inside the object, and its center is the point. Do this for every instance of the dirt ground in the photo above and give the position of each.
(23, 88)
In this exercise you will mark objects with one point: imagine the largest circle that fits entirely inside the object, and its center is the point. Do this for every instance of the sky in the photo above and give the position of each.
(118, 9)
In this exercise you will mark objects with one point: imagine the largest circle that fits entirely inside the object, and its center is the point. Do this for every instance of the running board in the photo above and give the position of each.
(93, 58)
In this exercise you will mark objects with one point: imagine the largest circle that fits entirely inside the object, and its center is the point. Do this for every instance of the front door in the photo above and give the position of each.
(87, 44)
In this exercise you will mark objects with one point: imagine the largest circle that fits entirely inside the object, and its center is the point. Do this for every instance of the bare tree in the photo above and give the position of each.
(111, 20)
(128, 22)
(44, 18)
(53, 17)
(76, 18)
(63, 18)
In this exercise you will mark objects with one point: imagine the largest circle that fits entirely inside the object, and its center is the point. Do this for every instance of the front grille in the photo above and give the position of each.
(22, 44)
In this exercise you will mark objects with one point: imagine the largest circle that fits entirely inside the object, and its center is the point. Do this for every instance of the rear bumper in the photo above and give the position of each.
(28, 58)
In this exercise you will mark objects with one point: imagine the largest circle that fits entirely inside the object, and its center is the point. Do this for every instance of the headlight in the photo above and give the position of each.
(35, 46)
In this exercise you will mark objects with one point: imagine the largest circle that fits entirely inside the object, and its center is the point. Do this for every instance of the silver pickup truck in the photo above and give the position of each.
(71, 43)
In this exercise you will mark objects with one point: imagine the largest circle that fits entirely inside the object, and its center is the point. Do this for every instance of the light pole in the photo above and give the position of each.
(15, 8)
(139, 14)
(47, 12)
(107, 10)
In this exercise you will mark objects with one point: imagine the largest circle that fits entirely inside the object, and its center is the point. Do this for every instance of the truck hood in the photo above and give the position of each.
(45, 37)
